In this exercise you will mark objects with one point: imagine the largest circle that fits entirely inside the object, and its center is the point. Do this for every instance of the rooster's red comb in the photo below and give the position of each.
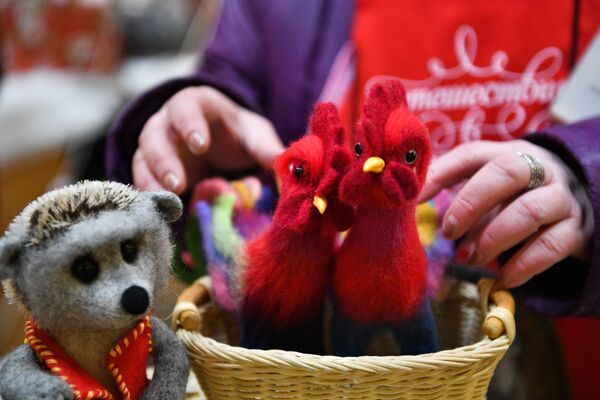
(327, 125)
(384, 98)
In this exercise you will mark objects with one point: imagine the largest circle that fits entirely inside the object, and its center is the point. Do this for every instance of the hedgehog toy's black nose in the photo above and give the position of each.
(135, 300)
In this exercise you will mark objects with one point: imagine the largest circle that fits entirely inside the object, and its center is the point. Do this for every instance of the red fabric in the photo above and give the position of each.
(126, 360)
(581, 351)
(64, 35)
(380, 270)
(473, 70)
(446, 51)
(288, 266)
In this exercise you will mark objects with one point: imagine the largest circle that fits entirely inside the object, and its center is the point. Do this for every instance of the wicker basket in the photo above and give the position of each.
(461, 372)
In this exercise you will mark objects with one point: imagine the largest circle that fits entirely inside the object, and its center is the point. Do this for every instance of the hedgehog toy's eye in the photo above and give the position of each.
(410, 157)
(358, 149)
(298, 172)
(85, 269)
(129, 251)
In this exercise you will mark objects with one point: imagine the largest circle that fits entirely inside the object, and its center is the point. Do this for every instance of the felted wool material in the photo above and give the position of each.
(226, 238)
(251, 210)
(288, 268)
(171, 366)
(323, 158)
(209, 189)
(246, 192)
(412, 336)
(380, 271)
(228, 215)
(221, 267)
(16, 375)
(440, 251)
(287, 276)
(87, 275)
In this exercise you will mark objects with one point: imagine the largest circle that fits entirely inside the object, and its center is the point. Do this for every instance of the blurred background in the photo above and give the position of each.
(67, 68)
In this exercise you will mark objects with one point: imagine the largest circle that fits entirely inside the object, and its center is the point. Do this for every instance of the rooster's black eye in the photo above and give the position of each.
(358, 149)
(410, 157)
(298, 172)
(129, 251)
(85, 269)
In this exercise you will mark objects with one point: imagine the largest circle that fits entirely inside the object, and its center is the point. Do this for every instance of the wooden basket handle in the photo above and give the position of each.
(185, 313)
(503, 314)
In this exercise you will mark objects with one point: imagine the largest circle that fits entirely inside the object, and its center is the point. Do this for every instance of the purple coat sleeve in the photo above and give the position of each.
(571, 287)
(229, 65)
(271, 57)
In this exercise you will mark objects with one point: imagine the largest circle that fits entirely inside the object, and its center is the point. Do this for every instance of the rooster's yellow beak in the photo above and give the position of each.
(374, 165)
(320, 203)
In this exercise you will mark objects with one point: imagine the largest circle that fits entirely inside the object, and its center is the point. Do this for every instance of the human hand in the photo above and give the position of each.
(197, 131)
(495, 211)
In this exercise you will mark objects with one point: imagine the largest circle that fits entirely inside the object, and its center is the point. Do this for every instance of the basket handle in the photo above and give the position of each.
(501, 318)
(185, 313)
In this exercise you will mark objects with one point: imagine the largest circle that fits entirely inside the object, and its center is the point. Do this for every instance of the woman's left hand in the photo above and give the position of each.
(496, 210)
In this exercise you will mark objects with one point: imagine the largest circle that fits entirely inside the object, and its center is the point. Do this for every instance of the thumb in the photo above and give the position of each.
(259, 138)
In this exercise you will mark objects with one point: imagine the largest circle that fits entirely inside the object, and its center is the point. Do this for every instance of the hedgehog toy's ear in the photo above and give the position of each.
(10, 252)
(168, 205)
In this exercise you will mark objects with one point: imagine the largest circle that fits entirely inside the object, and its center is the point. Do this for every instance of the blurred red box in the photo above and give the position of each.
(62, 34)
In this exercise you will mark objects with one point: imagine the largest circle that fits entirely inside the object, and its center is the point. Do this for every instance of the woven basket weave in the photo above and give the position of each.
(461, 372)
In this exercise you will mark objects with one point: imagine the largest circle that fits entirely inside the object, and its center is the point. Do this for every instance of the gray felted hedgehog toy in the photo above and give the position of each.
(86, 262)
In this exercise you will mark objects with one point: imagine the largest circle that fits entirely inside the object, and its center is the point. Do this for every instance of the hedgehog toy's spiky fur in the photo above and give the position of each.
(58, 209)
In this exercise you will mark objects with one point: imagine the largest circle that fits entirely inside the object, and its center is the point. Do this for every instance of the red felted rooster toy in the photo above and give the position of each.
(380, 273)
(289, 266)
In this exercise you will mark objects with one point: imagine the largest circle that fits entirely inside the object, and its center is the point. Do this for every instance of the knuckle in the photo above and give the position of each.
(488, 241)
(204, 94)
(465, 149)
(550, 244)
(531, 210)
(144, 139)
(186, 93)
(504, 170)
(463, 154)
(206, 91)
(464, 205)
(521, 269)
(187, 122)
(153, 124)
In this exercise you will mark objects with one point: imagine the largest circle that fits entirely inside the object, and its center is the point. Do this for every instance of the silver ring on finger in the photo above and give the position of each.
(536, 168)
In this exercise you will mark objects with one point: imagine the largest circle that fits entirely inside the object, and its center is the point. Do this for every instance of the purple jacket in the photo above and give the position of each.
(267, 59)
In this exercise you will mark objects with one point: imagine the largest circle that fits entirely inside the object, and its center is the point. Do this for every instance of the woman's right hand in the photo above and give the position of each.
(199, 130)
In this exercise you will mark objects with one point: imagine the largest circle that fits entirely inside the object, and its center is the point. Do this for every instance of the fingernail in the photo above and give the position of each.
(197, 141)
(171, 181)
(476, 258)
(450, 226)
